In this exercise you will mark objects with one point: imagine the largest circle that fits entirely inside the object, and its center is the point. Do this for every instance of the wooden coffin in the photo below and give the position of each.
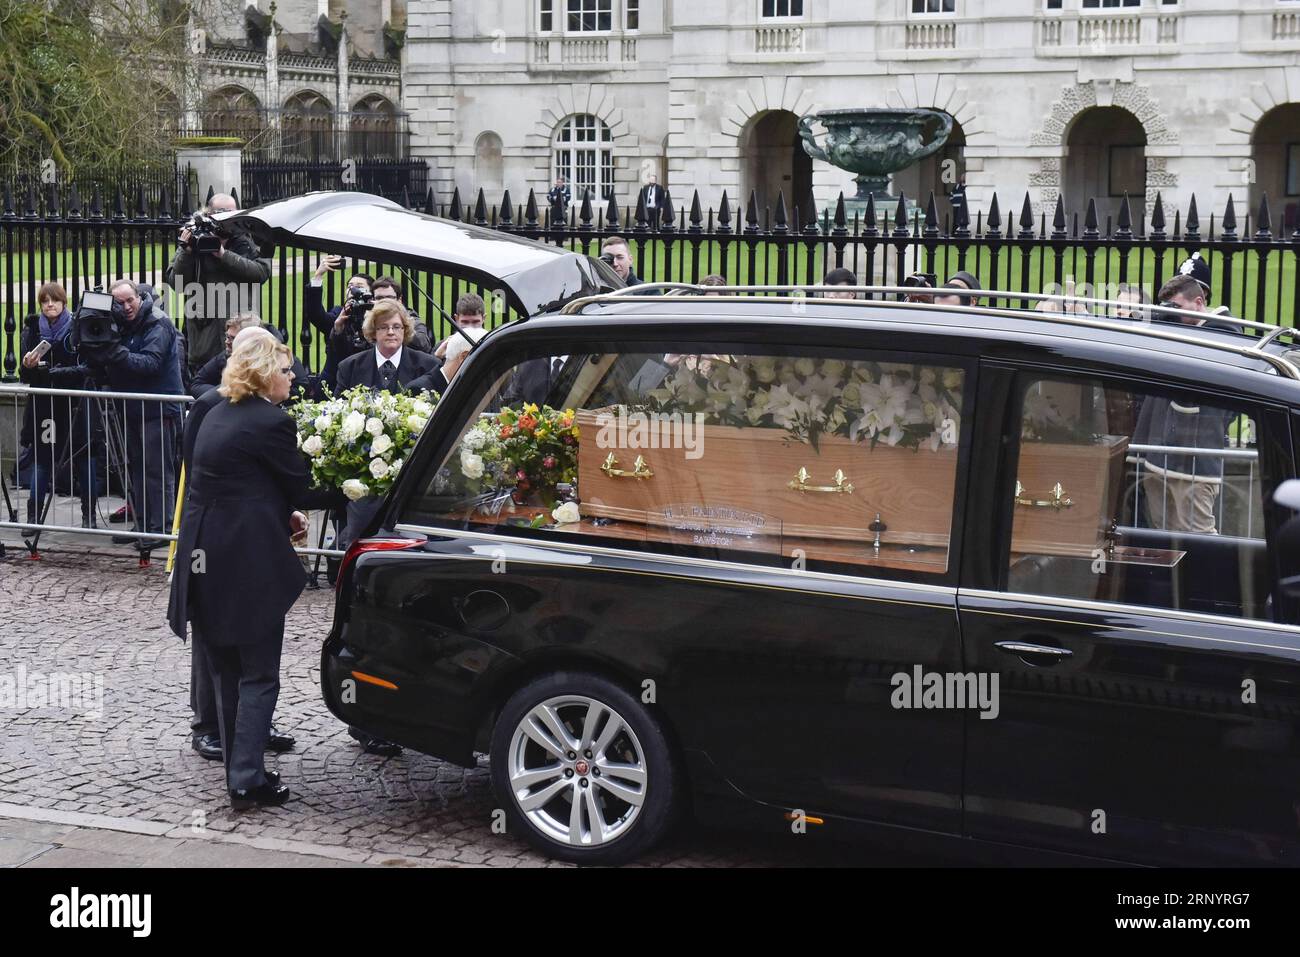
(1089, 478)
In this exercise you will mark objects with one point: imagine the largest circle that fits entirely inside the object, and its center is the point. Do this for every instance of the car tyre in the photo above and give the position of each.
(573, 736)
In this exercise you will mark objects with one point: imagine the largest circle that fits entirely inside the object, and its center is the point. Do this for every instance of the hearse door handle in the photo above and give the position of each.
(1024, 650)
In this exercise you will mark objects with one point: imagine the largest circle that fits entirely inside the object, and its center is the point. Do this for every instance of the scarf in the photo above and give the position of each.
(53, 333)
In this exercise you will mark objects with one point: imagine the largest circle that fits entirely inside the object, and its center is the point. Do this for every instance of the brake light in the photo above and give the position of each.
(371, 545)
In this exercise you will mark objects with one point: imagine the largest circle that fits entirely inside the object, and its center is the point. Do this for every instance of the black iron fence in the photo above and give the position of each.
(84, 243)
(265, 180)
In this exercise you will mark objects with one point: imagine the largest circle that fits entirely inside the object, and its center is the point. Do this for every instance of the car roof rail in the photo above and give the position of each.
(1267, 333)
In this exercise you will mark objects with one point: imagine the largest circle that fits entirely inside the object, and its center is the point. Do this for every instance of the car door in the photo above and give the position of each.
(764, 590)
(1149, 681)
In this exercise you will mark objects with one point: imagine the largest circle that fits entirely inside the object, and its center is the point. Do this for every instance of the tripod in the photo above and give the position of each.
(99, 424)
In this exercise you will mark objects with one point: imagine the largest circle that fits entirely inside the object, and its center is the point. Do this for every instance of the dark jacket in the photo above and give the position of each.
(246, 477)
(146, 360)
(205, 315)
(433, 381)
(361, 369)
(61, 370)
(1167, 422)
(209, 378)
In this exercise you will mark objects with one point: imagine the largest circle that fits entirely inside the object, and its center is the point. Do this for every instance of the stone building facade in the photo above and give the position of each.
(1070, 98)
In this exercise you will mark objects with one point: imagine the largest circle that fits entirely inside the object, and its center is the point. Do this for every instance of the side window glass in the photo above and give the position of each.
(819, 462)
(1143, 498)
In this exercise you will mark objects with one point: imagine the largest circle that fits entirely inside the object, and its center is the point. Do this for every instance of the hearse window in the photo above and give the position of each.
(1142, 498)
(817, 462)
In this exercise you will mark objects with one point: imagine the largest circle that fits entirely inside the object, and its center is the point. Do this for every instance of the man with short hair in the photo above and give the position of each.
(840, 277)
(144, 360)
(614, 251)
(653, 198)
(1186, 292)
(215, 286)
(386, 287)
(558, 198)
(470, 314)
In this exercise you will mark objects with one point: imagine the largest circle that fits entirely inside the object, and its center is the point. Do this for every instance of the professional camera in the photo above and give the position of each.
(205, 234)
(607, 259)
(358, 305)
(98, 324)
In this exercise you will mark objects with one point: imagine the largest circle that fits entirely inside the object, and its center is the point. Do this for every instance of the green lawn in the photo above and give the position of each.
(740, 261)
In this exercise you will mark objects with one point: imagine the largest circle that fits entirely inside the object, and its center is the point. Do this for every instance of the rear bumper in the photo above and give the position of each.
(381, 712)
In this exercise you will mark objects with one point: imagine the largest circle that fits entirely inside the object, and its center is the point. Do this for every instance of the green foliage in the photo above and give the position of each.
(81, 83)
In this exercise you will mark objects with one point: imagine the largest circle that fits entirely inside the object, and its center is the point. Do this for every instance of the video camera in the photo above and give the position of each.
(358, 305)
(98, 324)
(205, 234)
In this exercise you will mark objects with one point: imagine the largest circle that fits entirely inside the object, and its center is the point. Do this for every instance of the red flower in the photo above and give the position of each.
(548, 462)
(521, 475)
(527, 422)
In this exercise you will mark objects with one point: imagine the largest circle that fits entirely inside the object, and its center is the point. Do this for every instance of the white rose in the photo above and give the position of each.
(422, 408)
(415, 423)
(471, 465)
(805, 366)
(566, 513)
(378, 468)
(313, 445)
(375, 426)
(474, 440)
(381, 445)
(355, 489)
(322, 423)
(353, 425)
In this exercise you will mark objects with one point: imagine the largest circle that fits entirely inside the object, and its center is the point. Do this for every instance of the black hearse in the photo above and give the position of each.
(849, 567)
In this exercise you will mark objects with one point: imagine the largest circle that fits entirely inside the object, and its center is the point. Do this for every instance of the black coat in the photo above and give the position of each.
(433, 381)
(209, 378)
(240, 266)
(246, 476)
(361, 369)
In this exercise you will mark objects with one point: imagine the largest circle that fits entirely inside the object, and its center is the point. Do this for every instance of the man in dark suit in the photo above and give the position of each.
(209, 377)
(534, 381)
(653, 198)
(389, 366)
(205, 733)
(248, 478)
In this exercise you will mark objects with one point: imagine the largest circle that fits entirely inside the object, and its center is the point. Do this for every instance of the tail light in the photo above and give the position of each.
(371, 545)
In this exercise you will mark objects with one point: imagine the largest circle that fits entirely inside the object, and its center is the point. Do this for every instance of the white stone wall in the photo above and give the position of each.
(1197, 75)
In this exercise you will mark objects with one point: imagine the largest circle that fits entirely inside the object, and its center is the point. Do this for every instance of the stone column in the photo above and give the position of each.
(272, 103)
(218, 167)
(344, 93)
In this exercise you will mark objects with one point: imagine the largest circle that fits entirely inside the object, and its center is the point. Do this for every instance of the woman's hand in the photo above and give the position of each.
(31, 360)
(298, 526)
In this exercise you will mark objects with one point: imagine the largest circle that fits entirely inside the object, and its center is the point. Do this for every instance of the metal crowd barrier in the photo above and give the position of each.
(95, 463)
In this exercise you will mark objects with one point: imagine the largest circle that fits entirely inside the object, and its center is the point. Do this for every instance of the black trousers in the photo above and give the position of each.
(150, 463)
(203, 700)
(246, 682)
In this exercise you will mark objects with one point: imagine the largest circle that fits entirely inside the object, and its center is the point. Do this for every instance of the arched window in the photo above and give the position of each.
(233, 111)
(308, 127)
(489, 165)
(584, 156)
(374, 128)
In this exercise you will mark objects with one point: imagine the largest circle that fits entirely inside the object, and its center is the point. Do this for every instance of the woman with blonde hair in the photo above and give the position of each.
(237, 574)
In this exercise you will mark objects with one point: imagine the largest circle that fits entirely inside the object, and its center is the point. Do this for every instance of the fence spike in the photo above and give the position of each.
(8, 212)
(584, 212)
(809, 217)
(530, 210)
(1192, 230)
(405, 199)
(669, 223)
(1230, 220)
(142, 205)
(611, 214)
(751, 213)
(1090, 230)
(430, 206)
(697, 214)
(480, 209)
(74, 202)
(869, 217)
(96, 203)
(164, 203)
(31, 212)
(234, 194)
(1026, 219)
(961, 220)
(187, 200)
(781, 226)
(993, 222)
(506, 219)
(724, 215)
(211, 192)
(1264, 222)
(52, 201)
(900, 215)
(1124, 222)
(642, 223)
(1059, 222)
(1158, 218)
(454, 213)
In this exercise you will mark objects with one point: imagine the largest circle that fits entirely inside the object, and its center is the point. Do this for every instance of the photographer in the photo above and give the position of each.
(56, 428)
(341, 325)
(217, 271)
(142, 357)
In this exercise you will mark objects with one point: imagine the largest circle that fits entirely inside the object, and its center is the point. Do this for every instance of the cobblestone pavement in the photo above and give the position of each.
(76, 611)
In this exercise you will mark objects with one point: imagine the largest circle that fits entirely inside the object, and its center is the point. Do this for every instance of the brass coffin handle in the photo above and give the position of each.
(639, 469)
(800, 483)
(1057, 500)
